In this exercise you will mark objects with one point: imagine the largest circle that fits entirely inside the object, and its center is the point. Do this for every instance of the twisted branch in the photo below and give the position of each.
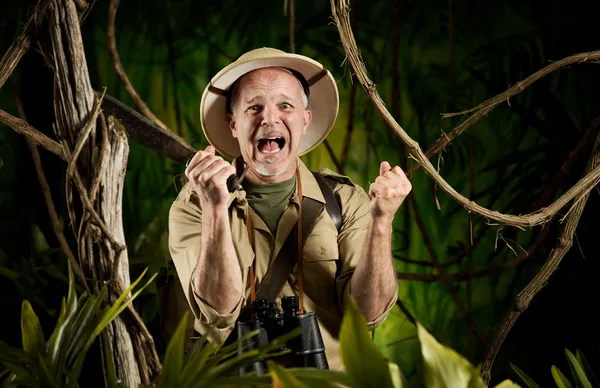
(114, 56)
(486, 107)
(341, 17)
(565, 241)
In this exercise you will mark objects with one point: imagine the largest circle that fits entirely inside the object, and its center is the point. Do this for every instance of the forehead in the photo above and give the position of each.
(268, 79)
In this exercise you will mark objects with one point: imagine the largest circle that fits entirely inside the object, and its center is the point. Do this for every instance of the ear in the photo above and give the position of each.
(231, 120)
(307, 119)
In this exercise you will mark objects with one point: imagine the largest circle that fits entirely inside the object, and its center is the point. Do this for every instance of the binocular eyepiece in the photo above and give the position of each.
(306, 350)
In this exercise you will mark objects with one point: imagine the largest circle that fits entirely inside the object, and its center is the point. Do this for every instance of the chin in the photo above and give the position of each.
(267, 169)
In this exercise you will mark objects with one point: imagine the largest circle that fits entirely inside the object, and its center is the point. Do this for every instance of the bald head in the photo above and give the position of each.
(272, 74)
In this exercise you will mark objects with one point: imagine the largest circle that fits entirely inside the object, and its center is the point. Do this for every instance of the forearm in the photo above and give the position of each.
(374, 281)
(218, 278)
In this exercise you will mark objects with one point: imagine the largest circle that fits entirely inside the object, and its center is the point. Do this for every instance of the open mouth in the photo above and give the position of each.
(270, 145)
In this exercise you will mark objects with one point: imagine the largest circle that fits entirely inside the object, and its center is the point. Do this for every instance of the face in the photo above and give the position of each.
(268, 121)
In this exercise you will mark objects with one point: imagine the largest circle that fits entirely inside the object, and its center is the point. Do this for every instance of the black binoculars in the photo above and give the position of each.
(305, 350)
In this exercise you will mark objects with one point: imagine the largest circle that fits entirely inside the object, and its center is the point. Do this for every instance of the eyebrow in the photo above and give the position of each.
(260, 97)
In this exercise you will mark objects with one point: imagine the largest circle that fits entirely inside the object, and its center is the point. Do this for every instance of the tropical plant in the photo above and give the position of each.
(581, 373)
(58, 361)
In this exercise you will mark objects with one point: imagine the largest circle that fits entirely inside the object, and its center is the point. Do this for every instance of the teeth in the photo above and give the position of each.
(271, 152)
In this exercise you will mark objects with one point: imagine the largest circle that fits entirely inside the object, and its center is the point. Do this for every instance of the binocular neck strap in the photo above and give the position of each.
(300, 244)
(252, 280)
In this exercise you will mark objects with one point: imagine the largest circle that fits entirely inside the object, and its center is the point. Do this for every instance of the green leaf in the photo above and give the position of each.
(526, 379)
(110, 375)
(31, 330)
(587, 368)
(507, 384)
(444, 367)
(581, 379)
(173, 360)
(398, 379)
(105, 318)
(559, 378)
(363, 361)
(282, 378)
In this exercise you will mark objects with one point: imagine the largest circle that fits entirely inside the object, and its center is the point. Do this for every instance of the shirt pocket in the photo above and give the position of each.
(321, 262)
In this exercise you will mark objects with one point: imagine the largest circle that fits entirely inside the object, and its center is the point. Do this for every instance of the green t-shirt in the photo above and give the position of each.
(269, 200)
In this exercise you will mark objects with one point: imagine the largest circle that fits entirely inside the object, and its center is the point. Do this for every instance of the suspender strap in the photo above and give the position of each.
(282, 266)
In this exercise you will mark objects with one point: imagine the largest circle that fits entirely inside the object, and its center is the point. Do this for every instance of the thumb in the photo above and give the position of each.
(384, 167)
(210, 149)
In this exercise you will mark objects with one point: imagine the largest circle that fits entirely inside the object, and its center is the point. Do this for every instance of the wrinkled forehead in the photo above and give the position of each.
(245, 82)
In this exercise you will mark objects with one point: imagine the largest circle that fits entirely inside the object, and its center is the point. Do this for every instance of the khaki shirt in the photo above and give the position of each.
(322, 250)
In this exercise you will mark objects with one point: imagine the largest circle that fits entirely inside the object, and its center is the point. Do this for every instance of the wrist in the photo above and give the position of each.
(381, 223)
(215, 211)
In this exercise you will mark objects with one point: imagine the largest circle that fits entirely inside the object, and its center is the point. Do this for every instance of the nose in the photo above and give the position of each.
(270, 116)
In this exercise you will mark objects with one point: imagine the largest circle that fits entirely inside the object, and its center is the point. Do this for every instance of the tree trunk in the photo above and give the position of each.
(97, 150)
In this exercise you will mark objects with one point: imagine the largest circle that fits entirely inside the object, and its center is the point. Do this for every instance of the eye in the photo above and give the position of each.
(285, 105)
(254, 108)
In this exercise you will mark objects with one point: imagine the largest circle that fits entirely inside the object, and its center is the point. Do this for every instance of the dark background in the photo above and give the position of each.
(425, 60)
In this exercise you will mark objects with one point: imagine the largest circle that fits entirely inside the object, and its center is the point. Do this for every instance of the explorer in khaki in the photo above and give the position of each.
(263, 112)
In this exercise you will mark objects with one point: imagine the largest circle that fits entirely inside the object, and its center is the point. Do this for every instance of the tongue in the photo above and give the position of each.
(268, 145)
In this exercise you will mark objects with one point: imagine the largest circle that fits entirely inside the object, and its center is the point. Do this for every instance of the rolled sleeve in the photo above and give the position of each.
(355, 205)
(185, 236)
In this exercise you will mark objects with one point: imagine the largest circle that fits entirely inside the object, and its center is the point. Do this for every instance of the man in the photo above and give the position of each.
(264, 111)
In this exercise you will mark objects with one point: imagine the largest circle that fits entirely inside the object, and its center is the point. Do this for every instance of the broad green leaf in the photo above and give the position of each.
(587, 368)
(526, 379)
(476, 381)
(173, 360)
(559, 378)
(579, 376)
(442, 366)
(363, 361)
(507, 384)
(309, 376)
(398, 379)
(31, 330)
(282, 378)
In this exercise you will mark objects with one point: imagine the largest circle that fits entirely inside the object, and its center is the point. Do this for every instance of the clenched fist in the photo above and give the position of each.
(388, 192)
(208, 174)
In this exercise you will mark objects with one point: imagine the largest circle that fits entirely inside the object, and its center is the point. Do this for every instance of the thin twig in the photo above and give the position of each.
(21, 44)
(489, 271)
(407, 313)
(484, 108)
(334, 159)
(351, 106)
(114, 56)
(341, 17)
(292, 26)
(461, 308)
(37, 137)
(57, 228)
(565, 241)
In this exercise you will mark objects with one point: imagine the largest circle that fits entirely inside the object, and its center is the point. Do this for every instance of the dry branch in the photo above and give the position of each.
(565, 241)
(484, 108)
(37, 137)
(446, 282)
(56, 227)
(22, 43)
(341, 13)
(489, 271)
(114, 56)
